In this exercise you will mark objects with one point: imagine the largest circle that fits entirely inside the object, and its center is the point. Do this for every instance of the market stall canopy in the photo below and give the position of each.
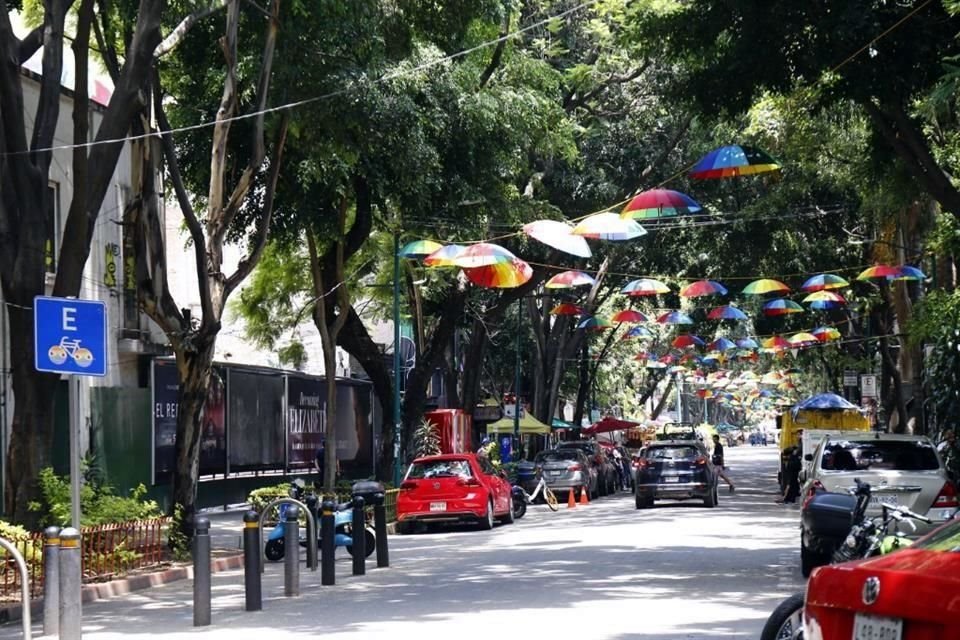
(824, 402)
(528, 424)
(609, 424)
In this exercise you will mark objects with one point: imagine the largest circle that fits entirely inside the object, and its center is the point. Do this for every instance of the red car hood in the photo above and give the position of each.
(915, 584)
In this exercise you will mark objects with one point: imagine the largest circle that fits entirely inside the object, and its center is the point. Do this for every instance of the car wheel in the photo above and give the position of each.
(602, 488)
(487, 522)
(404, 528)
(786, 621)
(274, 550)
(510, 517)
(711, 500)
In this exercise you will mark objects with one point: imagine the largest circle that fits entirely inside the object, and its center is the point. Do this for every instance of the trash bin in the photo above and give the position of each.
(366, 489)
(527, 475)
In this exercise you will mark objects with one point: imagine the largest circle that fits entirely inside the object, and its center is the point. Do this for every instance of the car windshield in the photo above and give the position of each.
(440, 469)
(672, 453)
(946, 538)
(557, 456)
(879, 455)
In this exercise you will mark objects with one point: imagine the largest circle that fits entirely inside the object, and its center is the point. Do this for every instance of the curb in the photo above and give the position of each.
(103, 590)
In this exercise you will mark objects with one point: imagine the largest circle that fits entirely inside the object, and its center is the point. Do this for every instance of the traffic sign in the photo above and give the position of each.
(70, 336)
(868, 385)
(849, 378)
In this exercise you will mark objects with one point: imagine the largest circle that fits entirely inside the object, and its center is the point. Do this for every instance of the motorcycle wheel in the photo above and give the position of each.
(371, 541)
(519, 508)
(274, 550)
(786, 621)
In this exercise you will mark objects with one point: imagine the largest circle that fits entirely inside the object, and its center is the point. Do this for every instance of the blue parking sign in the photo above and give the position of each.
(70, 336)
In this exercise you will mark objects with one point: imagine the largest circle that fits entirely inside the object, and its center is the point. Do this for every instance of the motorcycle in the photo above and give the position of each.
(867, 537)
(519, 502)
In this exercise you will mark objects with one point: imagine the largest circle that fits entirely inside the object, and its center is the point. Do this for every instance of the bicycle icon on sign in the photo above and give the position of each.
(68, 348)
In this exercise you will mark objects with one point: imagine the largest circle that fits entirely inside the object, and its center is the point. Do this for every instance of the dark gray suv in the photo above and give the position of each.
(676, 470)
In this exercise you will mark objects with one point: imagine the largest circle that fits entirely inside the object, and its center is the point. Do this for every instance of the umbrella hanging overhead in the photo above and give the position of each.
(703, 288)
(419, 249)
(825, 296)
(570, 279)
(687, 340)
(733, 160)
(824, 281)
(637, 332)
(722, 344)
(608, 226)
(825, 305)
(909, 273)
(776, 342)
(781, 307)
(674, 317)
(566, 309)
(558, 235)
(747, 343)
(628, 315)
(483, 254)
(645, 287)
(726, 312)
(826, 334)
(659, 203)
(765, 285)
(595, 323)
(803, 339)
(879, 271)
(444, 256)
(501, 275)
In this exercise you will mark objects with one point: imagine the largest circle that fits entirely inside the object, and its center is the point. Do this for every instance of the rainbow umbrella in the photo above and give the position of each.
(566, 309)
(747, 343)
(483, 254)
(570, 279)
(444, 256)
(637, 332)
(826, 334)
(687, 340)
(803, 339)
(823, 281)
(595, 323)
(608, 226)
(628, 315)
(558, 235)
(726, 312)
(674, 317)
(419, 249)
(659, 203)
(879, 271)
(776, 342)
(781, 307)
(703, 288)
(645, 287)
(500, 275)
(765, 285)
(722, 344)
(909, 273)
(825, 296)
(733, 160)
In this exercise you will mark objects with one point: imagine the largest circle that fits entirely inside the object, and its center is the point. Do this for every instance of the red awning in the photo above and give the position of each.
(609, 424)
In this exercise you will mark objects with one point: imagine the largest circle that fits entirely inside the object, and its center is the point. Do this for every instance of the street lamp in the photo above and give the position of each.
(516, 383)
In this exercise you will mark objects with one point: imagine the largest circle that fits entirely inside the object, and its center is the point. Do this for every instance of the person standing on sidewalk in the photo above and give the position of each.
(718, 462)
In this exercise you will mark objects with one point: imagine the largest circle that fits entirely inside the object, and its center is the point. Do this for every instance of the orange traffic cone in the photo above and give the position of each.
(571, 501)
(584, 498)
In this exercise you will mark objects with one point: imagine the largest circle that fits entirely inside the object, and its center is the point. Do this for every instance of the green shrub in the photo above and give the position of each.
(99, 504)
(260, 498)
(32, 550)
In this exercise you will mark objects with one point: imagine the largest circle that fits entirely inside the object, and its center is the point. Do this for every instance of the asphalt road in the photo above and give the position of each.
(603, 571)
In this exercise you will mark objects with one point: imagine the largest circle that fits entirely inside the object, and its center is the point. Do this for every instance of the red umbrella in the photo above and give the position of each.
(628, 315)
(703, 288)
(566, 309)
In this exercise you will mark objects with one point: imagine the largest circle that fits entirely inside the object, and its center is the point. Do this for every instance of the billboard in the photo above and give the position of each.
(257, 433)
(306, 419)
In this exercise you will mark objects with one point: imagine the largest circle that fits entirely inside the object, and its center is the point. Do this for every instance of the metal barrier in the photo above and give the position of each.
(311, 531)
(24, 585)
(390, 503)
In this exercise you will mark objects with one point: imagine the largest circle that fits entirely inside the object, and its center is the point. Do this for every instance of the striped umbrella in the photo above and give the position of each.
(825, 296)
(781, 307)
(703, 288)
(732, 161)
(419, 249)
(827, 334)
(637, 332)
(566, 309)
(628, 315)
(444, 256)
(726, 312)
(608, 226)
(910, 273)
(824, 281)
(687, 340)
(764, 286)
(483, 254)
(659, 203)
(776, 343)
(722, 344)
(595, 323)
(558, 235)
(747, 343)
(674, 317)
(879, 271)
(500, 275)
(570, 279)
(645, 287)
(803, 339)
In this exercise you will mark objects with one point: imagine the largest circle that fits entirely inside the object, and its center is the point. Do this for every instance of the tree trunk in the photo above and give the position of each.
(330, 450)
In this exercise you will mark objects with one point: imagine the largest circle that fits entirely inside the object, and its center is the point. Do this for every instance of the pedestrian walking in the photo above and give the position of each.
(718, 461)
(792, 471)
(950, 452)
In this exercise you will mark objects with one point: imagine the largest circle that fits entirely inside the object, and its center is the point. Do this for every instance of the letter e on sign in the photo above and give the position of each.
(69, 319)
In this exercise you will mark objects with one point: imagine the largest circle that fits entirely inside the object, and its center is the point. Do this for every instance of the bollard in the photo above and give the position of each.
(251, 562)
(359, 537)
(51, 581)
(380, 529)
(291, 552)
(69, 587)
(327, 546)
(313, 506)
(201, 572)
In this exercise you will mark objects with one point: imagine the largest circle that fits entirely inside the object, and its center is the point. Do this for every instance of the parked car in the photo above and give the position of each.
(453, 488)
(567, 470)
(675, 470)
(606, 472)
(900, 469)
(907, 595)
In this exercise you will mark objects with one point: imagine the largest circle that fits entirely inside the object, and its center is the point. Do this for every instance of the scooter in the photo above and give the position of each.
(519, 502)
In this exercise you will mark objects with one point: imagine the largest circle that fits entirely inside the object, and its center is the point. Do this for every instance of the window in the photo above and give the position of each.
(876, 455)
(559, 455)
(51, 245)
(672, 453)
(440, 469)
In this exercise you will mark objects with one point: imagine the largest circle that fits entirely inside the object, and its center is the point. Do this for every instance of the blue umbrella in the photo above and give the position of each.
(747, 343)
(726, 312)
(722, 344)
(675, 317)
(824, 402)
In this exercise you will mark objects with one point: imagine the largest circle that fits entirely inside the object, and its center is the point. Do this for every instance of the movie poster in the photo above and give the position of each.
(306, 419)
(257, 431)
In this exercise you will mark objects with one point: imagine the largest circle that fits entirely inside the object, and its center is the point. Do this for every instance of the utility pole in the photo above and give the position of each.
(396, 358)
(516, 385)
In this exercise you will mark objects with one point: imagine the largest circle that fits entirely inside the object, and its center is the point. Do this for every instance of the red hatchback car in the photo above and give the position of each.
(911, 594)
(453, 488)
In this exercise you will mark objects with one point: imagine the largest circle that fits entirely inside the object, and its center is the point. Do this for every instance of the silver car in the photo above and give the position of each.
(901, 470)
(567, 469)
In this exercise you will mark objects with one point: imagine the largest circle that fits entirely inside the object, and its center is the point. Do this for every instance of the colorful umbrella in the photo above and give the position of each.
(826, 334)
(500, 275)
(781, 307)
(483, 254)
(687, 340)
(909, 273)
(419, 249)
(637, 332)
(444, 256)
(825, 296)
(595, 323)
(879, 271)
(703, 288)
(645, 287)
(824, 305)
(659, 203)
(776, 342)
(824, 281)
(566, 309)
(558, 235)
(765, 285)
(570, 279)
(608, 226)
(628, 315)
(722, 344)
(803, 339)
(726, 312)
(747, 343)
(674, 317)
(733, 160)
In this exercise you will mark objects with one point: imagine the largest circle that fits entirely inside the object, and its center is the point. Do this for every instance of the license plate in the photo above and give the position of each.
(438, 506)
(876, 628)
(671, 479)
(890, 500)
(551, 472)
